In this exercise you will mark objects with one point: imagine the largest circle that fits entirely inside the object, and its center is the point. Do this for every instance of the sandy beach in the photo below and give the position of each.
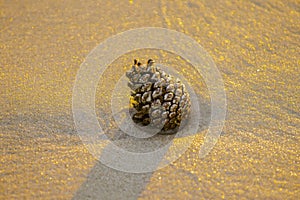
(255, 46)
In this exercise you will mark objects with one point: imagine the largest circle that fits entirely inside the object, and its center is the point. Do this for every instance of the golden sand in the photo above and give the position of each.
(255, 45)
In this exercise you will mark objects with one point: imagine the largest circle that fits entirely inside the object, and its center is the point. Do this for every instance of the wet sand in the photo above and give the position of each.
(255, 45)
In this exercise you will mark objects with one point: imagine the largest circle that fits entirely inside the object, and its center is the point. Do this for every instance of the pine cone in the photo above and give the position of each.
(157, 97)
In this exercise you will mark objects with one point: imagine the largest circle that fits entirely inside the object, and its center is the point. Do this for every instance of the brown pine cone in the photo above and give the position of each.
(157, 97)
